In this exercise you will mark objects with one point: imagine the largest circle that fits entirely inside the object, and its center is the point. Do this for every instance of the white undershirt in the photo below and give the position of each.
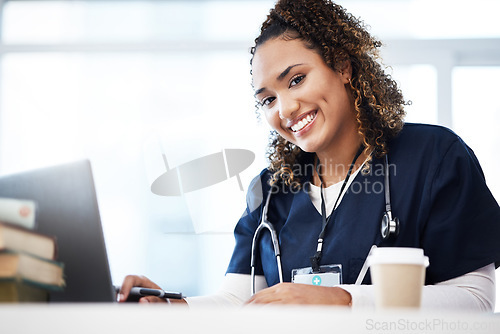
(473, 291)
(330, 193)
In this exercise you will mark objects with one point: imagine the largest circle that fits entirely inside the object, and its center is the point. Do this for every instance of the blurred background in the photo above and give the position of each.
(124, 83)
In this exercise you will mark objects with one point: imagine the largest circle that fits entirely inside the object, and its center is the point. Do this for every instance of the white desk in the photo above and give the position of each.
(134, 318)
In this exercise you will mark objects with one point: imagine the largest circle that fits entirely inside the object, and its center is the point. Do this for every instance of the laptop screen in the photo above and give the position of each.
(67, 208)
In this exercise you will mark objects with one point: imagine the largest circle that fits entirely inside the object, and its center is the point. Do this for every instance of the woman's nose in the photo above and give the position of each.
(288, 108)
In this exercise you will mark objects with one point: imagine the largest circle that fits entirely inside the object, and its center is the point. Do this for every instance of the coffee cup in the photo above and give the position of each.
(398, 275)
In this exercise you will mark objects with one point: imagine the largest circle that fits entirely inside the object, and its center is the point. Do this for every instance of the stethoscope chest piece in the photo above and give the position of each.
(389, 226)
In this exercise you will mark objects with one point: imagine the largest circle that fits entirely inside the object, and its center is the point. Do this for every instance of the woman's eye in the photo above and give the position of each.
(296, 80)
(266, 101)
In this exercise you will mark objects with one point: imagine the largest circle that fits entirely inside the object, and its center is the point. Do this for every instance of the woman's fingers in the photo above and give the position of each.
(152, 299)
(131, 281)
(293, 293)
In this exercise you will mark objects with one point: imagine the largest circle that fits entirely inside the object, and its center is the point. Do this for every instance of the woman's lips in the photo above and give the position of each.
(302, 122)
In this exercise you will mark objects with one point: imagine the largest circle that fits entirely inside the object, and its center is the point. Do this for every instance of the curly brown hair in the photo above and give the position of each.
(338, 37)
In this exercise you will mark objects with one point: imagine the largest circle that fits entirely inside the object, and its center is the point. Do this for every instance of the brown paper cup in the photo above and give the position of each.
(398, 275)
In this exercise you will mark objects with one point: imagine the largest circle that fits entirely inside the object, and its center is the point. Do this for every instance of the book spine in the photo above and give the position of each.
(19, 212)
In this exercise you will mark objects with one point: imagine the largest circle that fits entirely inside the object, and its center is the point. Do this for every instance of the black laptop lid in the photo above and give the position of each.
(67, 208)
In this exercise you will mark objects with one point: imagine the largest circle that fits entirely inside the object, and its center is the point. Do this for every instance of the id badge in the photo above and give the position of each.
(328, 275)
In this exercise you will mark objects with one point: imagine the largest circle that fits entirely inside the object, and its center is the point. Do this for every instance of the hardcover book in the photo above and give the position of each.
(47, 274)
(23, 240)
(18, 290)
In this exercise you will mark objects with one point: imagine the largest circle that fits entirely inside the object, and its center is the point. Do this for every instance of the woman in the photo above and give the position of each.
(338, 121)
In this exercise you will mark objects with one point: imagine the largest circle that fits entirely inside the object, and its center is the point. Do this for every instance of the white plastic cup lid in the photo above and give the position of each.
(398, 255)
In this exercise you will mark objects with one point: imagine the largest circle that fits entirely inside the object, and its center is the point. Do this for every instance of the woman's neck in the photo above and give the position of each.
(334, 165)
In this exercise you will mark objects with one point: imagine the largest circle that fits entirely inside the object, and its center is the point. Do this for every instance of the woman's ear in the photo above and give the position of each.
(345, 70)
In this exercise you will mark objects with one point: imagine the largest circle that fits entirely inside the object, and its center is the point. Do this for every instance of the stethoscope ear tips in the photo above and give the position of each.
(389, 226)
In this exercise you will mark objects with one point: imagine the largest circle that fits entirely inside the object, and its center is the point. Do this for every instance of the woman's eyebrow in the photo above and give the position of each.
(279, 77)
(258, 91)
(286, 71)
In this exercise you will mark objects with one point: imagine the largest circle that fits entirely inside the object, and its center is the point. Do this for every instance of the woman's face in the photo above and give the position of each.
(303, 99)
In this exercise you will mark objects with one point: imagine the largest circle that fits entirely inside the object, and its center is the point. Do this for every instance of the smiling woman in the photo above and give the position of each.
(309, 104)
(347, 51)
(338, 126)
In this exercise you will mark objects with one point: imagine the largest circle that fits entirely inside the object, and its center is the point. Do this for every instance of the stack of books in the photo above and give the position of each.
(28, 266)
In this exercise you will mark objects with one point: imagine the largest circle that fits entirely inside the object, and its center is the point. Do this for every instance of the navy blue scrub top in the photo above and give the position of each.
(438, 192)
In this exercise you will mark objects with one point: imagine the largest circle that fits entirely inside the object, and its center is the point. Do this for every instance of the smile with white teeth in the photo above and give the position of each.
(302, 123)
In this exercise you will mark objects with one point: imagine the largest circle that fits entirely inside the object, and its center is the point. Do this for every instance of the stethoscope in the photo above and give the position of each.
(389, 226)
(265, 224)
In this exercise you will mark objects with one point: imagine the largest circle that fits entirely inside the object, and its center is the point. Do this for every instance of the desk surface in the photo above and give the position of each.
(135, 318)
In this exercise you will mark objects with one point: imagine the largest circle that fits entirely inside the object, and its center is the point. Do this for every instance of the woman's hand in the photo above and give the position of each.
(141, 281)
(144, 282)
(294, 293)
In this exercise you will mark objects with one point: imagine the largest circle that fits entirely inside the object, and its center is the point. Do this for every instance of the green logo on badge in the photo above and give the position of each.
(316, 280)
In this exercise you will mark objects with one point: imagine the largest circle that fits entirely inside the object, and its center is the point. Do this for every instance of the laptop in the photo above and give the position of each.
(67, 208)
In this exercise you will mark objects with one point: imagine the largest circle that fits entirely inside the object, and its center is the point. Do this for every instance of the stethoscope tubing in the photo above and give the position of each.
(265, 224)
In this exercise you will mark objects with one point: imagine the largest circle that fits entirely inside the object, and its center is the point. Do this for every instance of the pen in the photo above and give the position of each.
(141, 292)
